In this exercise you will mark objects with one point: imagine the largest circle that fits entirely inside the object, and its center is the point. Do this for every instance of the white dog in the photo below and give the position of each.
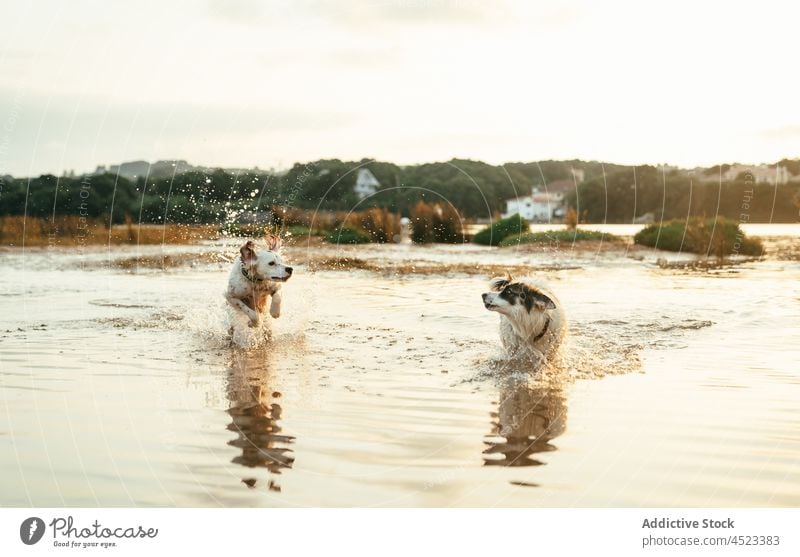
(532, 321)
(254, 277)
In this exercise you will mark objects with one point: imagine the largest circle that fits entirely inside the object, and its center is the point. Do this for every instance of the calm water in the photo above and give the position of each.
(119, 387)
(751, 229)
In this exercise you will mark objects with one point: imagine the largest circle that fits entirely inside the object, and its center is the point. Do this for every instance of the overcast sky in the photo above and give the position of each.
(239, 83)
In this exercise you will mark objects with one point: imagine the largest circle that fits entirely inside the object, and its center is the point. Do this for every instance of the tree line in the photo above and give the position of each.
(621, 196)
(609, 193)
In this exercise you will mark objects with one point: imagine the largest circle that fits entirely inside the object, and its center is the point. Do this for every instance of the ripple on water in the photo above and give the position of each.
(375, 389)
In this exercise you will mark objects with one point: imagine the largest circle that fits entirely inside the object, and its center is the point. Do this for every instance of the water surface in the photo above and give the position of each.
(119, 388)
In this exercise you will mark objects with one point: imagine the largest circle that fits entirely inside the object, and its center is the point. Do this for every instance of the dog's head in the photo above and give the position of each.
(514, 299)
(265, 265)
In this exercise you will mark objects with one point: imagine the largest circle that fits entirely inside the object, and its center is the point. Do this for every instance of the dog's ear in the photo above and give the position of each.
(499, 283)
(538, 300)
(274, 243)
(248, 252)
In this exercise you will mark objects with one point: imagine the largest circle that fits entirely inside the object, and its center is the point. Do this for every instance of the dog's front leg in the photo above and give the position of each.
(275, 305)
(241, 306)
(536, 358)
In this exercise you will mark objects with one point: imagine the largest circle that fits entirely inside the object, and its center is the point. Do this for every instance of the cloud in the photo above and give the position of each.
(781, 133)
(365, 15)
(284, 80)
(237, 11)
(48, 135)
(380, 14)
(412, 11)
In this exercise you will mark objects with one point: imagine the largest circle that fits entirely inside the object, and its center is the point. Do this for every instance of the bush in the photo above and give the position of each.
(381, 225)
(422, 223)
(298, 231)
(348, 236)
(555, 236)
(439, 223)
(571, 219)
(378, 224)
(242, 230)
(502, 229)
(447, 225)
(718, 237)
(290, 216)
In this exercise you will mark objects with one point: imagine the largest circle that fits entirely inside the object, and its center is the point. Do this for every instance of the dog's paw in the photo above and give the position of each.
(275, 312)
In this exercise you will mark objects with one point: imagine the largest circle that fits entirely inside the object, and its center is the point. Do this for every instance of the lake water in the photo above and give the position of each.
(386, 387)
(751, 229)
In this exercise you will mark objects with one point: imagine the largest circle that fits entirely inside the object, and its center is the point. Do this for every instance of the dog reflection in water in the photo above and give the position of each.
(256, 415)
(527, 419)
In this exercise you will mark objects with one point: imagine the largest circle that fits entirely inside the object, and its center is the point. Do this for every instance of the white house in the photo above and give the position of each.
(366, 183)
(537, 207)
(760, 174)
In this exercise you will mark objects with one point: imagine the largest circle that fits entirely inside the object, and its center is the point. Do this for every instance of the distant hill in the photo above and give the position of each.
(134, 170)
(536, 173)
(159, 169)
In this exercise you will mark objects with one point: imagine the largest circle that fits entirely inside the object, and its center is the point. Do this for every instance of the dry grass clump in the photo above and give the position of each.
(76, 231)
(437, 223)
(379, 224)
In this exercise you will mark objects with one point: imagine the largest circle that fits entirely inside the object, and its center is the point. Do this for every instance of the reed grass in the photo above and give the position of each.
(378, 224)
(68, 231)
(436, 223)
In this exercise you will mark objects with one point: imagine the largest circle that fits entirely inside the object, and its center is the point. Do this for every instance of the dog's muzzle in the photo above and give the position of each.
(486, 303)
(289, 271)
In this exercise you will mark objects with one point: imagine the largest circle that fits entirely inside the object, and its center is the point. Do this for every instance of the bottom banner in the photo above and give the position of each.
(615, 532)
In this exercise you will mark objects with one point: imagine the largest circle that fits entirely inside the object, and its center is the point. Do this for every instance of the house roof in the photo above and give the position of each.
(538, 197)
(366, 178)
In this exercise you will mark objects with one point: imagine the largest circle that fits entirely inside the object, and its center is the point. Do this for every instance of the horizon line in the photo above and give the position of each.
(281, 169)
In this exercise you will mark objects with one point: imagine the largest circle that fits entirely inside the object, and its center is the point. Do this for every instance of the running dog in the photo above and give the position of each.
(532, 321)
(256, 276)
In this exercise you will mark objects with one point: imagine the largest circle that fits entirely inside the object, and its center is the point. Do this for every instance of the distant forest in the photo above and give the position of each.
(609, 192)
(618, 197)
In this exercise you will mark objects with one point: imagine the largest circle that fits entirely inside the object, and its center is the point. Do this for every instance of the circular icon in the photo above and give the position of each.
(31, 530)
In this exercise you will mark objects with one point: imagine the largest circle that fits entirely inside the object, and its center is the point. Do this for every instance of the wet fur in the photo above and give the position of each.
(532, 320)
(250, 297)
